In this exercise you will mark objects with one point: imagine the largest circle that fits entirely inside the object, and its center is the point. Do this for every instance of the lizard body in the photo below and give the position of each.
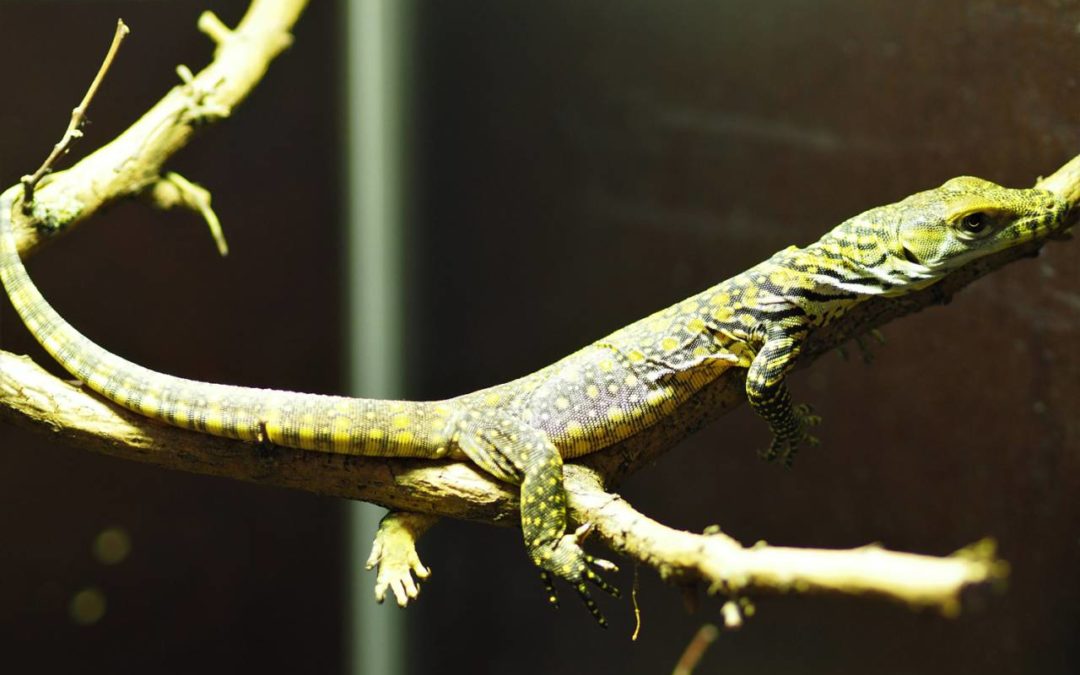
(520, 431)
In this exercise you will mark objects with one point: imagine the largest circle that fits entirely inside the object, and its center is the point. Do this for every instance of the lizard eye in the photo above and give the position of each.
(974, 223)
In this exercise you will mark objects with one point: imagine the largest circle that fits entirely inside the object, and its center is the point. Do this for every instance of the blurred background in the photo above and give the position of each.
(562, 168)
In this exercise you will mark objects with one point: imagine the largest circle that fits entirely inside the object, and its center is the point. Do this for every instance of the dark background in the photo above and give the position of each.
(577, 166)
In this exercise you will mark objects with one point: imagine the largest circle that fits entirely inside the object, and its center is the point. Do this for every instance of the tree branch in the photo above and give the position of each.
(132, 162)
(74, 130)
(724, 566)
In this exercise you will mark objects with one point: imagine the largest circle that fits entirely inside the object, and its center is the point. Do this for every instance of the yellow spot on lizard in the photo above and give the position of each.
(723, 313)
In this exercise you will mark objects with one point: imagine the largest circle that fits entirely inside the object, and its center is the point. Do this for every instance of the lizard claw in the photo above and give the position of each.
(568, 561)
(580, 535)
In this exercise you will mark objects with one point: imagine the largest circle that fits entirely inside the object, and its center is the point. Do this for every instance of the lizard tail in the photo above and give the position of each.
(332, 424)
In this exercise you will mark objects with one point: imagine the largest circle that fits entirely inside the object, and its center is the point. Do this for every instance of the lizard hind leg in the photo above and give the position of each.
(393, 552)
(516, 452)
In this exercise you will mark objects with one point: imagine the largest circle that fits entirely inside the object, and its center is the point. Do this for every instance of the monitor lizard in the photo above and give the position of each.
(521, 431)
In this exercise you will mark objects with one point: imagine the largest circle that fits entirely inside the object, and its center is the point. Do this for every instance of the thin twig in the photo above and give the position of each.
(174, 190)
(73, 132)
(210, 24)
(705, 636)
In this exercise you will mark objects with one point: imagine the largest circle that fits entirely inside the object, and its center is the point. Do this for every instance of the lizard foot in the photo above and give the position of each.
(568, 561)
(400, 569)
(864, 345)
(786, 443)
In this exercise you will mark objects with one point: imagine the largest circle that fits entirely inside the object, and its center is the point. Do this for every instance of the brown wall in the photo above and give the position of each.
(578, 165)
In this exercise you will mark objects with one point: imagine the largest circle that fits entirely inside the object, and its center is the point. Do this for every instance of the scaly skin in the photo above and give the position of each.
(520, 431)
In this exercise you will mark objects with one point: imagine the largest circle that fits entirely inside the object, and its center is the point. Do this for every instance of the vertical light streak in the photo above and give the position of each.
(374, 105)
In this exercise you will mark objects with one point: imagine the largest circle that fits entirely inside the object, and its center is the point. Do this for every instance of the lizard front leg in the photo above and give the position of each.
(516, 452)
(768, 393)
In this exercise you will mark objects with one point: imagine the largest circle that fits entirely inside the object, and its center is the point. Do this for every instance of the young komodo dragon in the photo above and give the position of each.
(521, 431)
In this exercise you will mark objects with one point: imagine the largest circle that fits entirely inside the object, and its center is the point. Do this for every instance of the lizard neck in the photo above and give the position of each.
(861, 257)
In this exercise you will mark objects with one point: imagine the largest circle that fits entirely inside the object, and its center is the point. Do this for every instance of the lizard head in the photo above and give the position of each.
(967, 218)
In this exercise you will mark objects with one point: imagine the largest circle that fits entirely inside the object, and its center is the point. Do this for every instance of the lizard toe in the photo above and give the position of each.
(583, 592)
(600, 582)
(549, 586)
(568, 561)
(804, 414)
(774, 451)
